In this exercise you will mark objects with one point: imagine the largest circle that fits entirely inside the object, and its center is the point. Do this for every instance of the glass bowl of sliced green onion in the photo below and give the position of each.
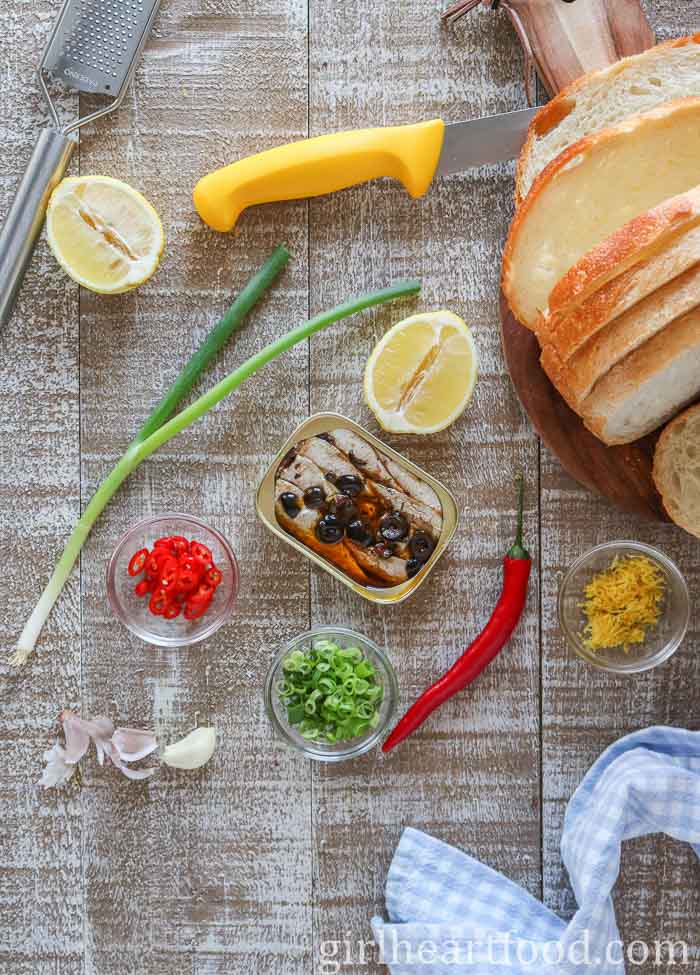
(331, 693)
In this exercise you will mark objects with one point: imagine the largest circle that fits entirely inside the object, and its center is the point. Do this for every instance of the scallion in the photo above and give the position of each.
(325, 702)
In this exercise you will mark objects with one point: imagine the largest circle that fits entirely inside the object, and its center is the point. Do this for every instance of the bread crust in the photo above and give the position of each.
(559, 107)
(582, 148)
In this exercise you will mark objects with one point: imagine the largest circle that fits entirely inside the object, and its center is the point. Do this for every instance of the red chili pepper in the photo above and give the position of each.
(491, 640)
(172, 610)
(137, 562)
(169, 571)
(204, 593)
(214, 576)
(154, 562)
(187, 581)
(179, 545)
(158, 602)
(200, 551)
(143, 588)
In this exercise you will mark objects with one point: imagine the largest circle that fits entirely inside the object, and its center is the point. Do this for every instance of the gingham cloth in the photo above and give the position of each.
(451, 914)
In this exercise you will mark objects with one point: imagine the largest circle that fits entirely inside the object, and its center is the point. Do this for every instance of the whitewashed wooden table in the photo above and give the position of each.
(251, 864)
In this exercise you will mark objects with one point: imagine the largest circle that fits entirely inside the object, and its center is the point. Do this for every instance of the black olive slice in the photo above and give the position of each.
(422, 546)
(290, 503)
(393, 527)
(349, 484)
(329, 530)
(360, 533)
(314, 497)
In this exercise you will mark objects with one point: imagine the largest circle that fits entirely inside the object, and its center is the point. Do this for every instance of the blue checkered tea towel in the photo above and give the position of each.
(450, 914)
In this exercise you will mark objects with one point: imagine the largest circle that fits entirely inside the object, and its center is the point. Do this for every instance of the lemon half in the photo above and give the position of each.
(104, 233)
(421, 375)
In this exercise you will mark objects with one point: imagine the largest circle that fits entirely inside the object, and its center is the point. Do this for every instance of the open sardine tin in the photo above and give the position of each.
(393, 488)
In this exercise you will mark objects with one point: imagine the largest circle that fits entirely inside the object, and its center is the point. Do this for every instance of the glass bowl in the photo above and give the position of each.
(133, 610)
(662, 640)
(338, 751)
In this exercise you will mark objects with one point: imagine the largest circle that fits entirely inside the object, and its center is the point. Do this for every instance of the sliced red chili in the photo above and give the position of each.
(214, 576)
(179, 545)
(154, 562)
(164, 542)
(137, 562)
(204, 593)
(187, 580)
(169, 572)
(158, 602)
(172, 610)
(190, 564)
(142, 588)
(200, 551)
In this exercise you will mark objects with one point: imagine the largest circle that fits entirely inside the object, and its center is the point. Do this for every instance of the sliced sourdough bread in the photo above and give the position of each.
(677, 469)
(576, 376)
(642, 256)
(649, 386)
(604, 98)
(590, 190)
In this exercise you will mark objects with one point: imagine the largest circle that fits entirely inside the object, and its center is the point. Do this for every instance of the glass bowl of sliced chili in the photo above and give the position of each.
(157, 552)
(331, 693)
(624, 607)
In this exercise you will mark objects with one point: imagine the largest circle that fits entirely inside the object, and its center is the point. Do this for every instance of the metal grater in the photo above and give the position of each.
(96, 44)
(94, 47)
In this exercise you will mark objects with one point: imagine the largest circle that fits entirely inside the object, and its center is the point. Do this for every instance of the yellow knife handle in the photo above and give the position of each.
(409, 153)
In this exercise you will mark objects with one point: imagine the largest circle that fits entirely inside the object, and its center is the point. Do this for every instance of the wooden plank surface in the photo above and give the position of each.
(251, 864)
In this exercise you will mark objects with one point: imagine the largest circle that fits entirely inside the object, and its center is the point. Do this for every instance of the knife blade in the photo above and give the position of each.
(483, 141)
(413, 154)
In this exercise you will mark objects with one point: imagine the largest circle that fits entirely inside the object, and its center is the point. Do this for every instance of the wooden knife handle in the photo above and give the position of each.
(567, 39)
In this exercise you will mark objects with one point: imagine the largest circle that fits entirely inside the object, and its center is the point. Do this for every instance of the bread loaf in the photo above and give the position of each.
(590, 190)
(677, 469)
(604, 98)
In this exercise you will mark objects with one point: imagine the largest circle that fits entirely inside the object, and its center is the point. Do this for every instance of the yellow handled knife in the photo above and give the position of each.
(413, 154)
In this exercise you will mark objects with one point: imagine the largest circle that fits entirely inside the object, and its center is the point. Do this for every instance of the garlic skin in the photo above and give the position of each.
(192, 751)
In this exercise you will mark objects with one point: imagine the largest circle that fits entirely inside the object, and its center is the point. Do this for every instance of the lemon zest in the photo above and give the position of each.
(622, 603)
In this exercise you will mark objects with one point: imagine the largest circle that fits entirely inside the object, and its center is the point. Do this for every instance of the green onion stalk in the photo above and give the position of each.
(143, 446)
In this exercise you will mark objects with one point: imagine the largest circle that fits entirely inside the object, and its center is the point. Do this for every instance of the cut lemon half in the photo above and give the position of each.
(421, 375)
(103, 233)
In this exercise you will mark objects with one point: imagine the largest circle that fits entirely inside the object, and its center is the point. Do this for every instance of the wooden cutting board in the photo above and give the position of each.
(622, 474)
(567, 39)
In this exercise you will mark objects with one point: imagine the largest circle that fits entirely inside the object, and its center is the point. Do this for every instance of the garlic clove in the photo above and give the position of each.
(192, 751)
(133, 744)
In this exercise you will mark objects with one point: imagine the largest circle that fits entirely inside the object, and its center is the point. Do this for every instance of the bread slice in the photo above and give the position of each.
(640, 257)
(590, 190)
(649, 386)
(576, 376)
(677, 469)
(604, 98)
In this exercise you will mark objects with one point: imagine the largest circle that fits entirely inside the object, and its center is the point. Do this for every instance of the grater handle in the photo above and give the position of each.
(25, 219)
